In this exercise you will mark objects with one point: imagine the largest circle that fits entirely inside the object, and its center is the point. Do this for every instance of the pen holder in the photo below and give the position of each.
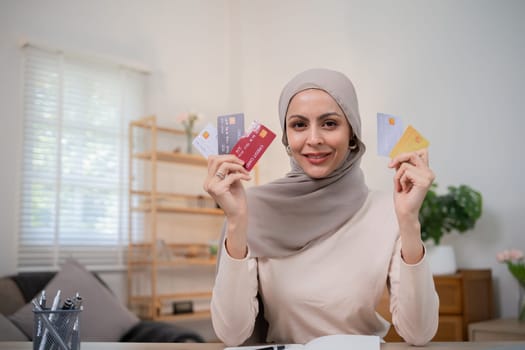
(56, 330)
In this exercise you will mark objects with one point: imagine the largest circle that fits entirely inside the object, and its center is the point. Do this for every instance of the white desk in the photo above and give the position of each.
(219, 346)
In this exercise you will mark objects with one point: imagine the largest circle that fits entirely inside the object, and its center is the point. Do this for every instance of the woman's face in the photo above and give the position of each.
(318, 132)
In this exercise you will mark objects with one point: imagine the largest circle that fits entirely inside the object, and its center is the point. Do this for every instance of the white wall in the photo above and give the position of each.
(451, 68)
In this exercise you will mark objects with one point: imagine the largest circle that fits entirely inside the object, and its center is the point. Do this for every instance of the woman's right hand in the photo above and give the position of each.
(223, 183)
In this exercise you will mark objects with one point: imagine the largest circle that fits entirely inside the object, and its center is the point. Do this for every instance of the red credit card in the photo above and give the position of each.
(252, 146)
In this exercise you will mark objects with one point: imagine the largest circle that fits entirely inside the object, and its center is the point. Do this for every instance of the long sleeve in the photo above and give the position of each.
(414, 303)
(234, 304)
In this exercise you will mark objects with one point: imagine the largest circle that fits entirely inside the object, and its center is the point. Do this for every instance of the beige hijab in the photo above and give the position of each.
(288, 214)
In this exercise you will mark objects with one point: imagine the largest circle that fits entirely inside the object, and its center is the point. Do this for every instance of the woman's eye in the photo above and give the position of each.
(330, 123)
(298, 125)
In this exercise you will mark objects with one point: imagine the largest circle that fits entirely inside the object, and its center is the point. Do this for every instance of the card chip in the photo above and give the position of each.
(391, 121)
(263, 133)
(231, 120)
(206, 135)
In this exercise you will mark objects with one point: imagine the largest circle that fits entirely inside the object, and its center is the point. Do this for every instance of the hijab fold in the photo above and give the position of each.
(288, 214)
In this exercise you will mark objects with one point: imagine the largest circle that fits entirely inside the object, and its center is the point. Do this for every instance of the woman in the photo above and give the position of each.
(317, 247)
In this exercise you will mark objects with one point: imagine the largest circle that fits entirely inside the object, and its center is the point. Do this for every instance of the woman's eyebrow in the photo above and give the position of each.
(329, 114)
(322, 116)
(298, 116)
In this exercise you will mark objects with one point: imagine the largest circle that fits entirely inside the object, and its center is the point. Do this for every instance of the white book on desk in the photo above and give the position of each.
(327, 342)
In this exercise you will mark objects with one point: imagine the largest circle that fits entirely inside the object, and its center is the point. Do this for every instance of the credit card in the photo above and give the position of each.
(411, 141)
(389, 131)
(230, 129)
(252, 146)
(206, 141)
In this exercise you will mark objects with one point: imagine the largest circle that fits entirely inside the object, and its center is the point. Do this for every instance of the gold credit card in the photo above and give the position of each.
(410, 141)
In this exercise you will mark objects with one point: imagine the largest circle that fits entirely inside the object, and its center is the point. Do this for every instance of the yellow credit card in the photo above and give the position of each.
(410, 141)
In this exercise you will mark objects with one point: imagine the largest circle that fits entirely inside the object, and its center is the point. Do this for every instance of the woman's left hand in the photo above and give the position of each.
(412, 180)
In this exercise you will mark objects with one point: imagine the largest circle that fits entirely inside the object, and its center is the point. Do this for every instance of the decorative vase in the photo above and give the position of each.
(441, 259)
(521, 303)
(189, 140)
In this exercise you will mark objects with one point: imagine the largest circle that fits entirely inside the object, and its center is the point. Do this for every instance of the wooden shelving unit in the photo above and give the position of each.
(147, 257)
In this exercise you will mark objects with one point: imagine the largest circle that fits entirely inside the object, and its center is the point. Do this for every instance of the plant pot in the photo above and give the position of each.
(441, 259)
(521, 303)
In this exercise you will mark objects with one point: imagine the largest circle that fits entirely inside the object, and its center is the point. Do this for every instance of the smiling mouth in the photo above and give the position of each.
(317, 155)
(316, 158)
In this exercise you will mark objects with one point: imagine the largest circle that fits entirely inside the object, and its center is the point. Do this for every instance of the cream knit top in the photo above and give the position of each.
(331, 287)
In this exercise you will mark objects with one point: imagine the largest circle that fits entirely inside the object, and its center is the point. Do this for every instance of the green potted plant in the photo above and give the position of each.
(456, 210)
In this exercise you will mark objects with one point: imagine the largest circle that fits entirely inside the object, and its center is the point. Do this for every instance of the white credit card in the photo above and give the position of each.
(389, 131)
(206, 141)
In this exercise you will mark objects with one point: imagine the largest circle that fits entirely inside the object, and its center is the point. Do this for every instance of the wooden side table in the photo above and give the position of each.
(499, 329)
(465, 297)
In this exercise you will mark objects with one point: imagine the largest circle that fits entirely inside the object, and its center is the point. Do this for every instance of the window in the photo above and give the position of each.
(75, 174)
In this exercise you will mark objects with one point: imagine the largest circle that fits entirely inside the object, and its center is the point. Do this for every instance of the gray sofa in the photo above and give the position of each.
(103, 317)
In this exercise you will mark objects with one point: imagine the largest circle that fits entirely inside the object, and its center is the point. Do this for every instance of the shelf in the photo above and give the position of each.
(149, 122)
(176, 262)
(175, 199)
(199, 315)
(173, 157)
(175, 296)
(168, 195)
(179, 254)
(184, 210)
(146, 244)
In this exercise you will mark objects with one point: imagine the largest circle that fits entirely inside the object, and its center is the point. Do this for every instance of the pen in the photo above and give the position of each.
(68, 304)
(56, 301)
(77, 302)
(42, 303)
(72, 331)
(74, 335)
(39, 324)
(63, 320)
(51, 319)
(42, 300)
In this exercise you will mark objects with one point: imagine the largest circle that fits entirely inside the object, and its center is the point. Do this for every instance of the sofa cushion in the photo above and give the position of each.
(104, 317)
(31, 283)
(9, 292)
(9, 332)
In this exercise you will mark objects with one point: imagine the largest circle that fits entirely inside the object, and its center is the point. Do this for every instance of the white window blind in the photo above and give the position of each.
(74, 195)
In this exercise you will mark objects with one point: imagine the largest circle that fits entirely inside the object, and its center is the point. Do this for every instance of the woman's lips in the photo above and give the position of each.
(316, 158)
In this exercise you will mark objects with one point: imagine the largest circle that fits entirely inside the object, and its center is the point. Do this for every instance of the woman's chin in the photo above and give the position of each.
(317, 173)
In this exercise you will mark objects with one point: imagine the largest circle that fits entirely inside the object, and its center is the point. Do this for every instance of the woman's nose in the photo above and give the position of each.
(315, 136)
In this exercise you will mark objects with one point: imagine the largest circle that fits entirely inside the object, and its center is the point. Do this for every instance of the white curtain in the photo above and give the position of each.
(74, 195)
